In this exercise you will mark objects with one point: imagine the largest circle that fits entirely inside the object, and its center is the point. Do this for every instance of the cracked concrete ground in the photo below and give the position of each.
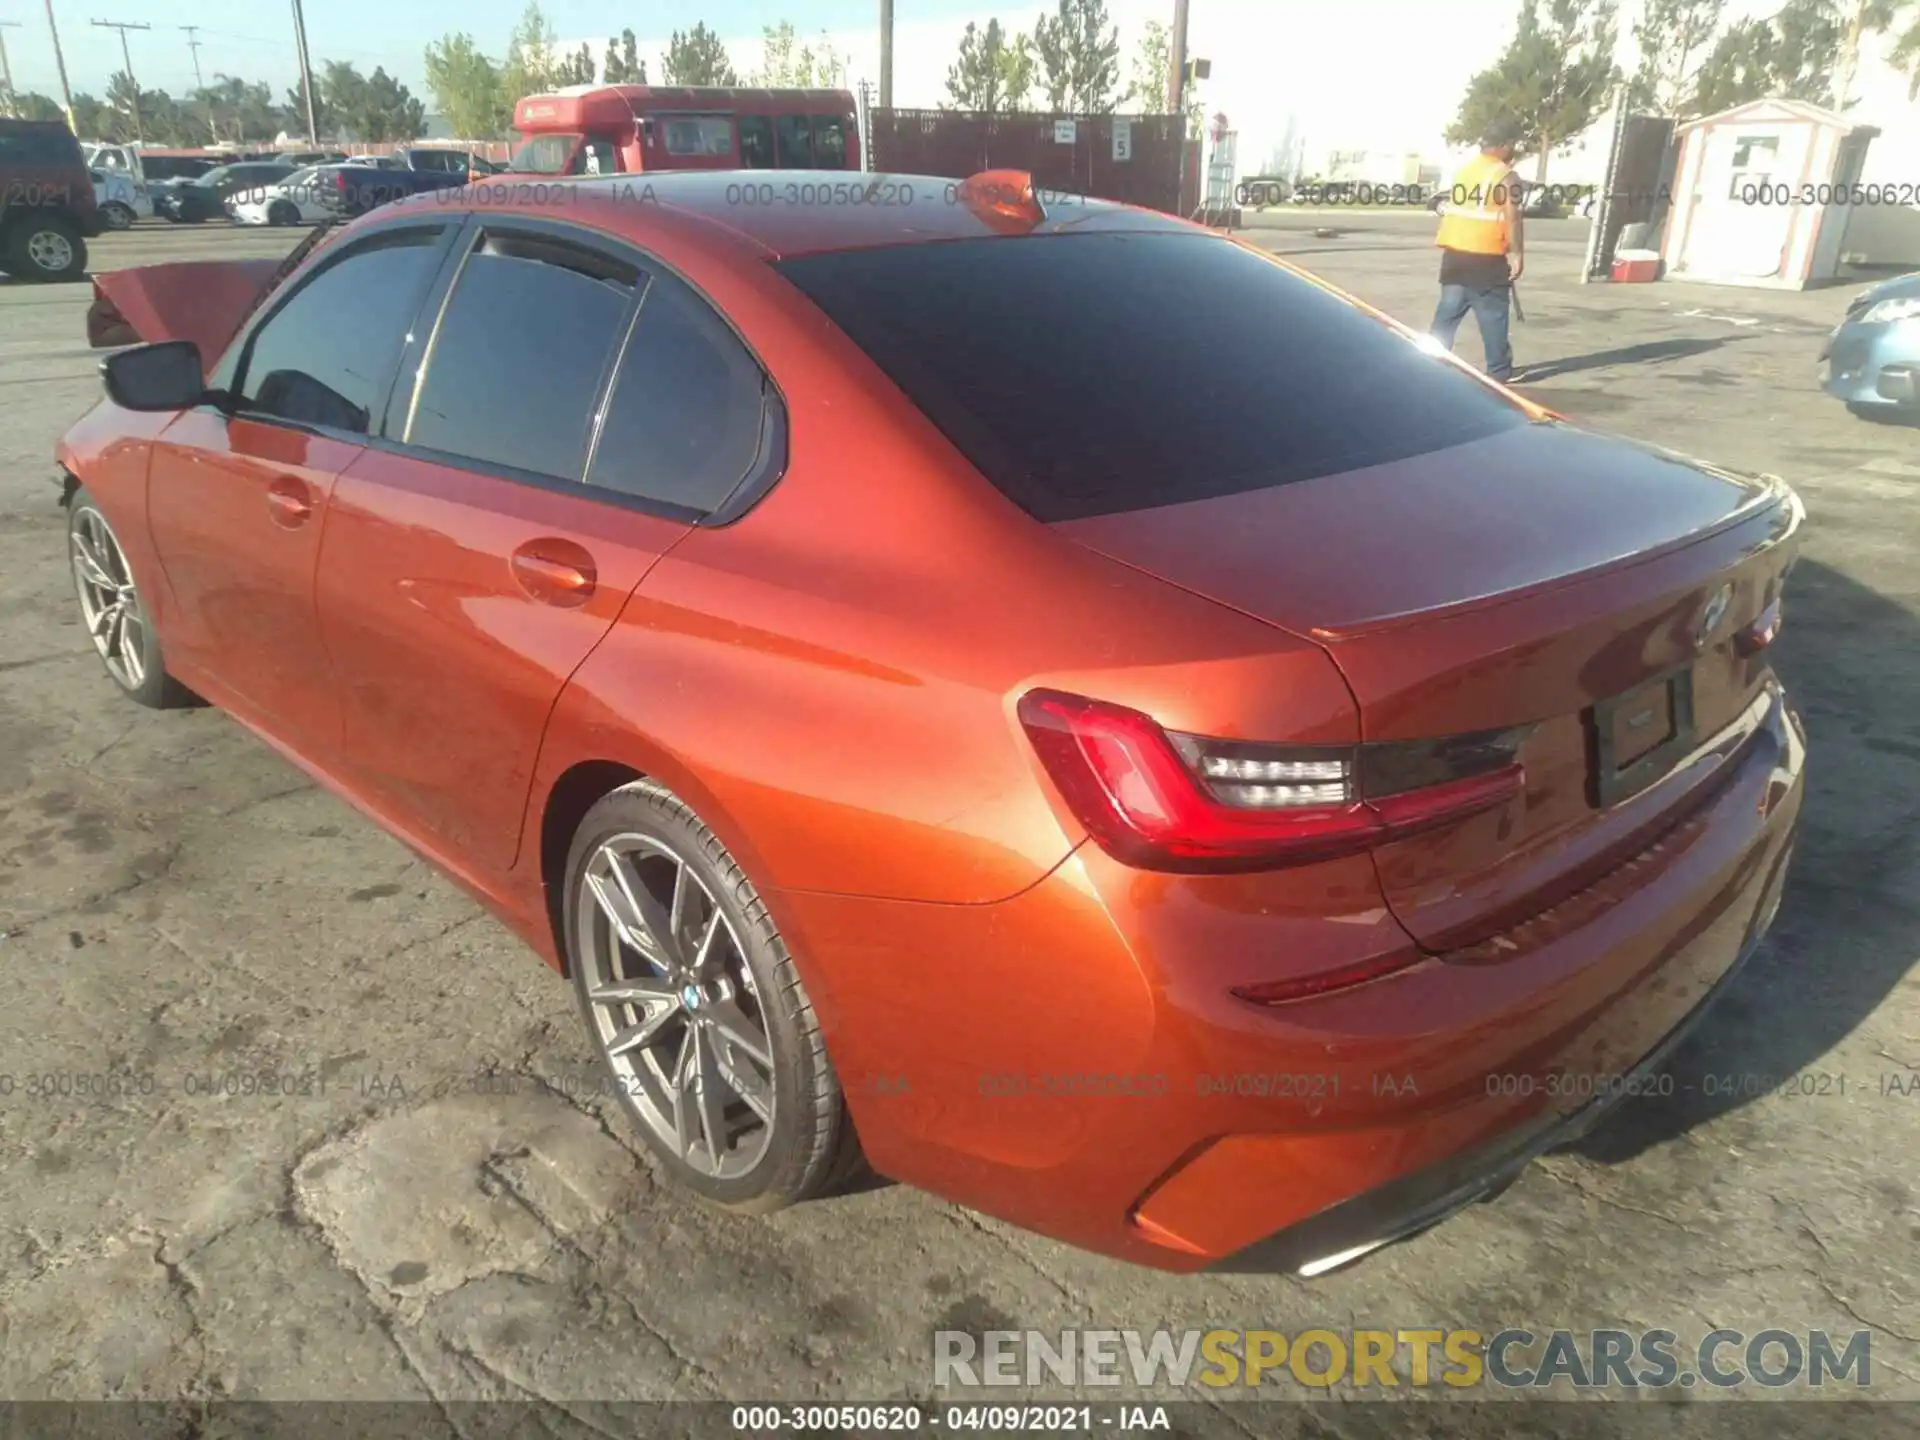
(436, 1210)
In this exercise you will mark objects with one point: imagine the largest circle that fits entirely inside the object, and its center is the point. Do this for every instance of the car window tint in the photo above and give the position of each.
(1085, 374)
(521, 353)
(708, 137)
(326, 356)
(830, 142)
(756, 142)
(683, 421)
(796, 142)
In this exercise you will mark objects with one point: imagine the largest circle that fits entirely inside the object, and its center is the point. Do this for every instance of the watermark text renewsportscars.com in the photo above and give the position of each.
(1513, 1358)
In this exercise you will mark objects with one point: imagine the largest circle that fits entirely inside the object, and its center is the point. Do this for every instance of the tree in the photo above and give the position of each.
(624, 66)
(1674, 37)
(32, 105)
(530, 62)
(994, 73)
(466, 88)
(1863, 18)
(576, 69)
(1551, 81)
(1079, 64)
(787, 64)
(372, 107)
(1152, 64)
(1791, 54)
(325, 121)
(697, 58)
(1904, 56)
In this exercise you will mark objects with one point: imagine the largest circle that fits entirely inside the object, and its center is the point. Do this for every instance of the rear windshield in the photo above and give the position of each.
(1092, 374)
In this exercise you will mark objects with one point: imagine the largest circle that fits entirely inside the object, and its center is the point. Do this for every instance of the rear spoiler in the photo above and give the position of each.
(205, 301)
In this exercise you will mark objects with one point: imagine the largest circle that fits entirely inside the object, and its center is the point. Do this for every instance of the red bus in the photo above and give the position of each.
(616, 129)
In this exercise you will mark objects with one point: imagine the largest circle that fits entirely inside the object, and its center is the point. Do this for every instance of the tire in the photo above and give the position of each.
(45, 245)
(117, 216)
(129, 648)
(283, 212)
(797, 1143)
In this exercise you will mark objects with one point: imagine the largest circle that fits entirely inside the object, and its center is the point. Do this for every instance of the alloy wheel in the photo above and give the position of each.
(50, 251)
(674, 1005)
(109, 603)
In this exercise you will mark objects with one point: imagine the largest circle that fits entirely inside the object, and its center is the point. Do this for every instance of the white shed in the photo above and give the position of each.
(1762, 194)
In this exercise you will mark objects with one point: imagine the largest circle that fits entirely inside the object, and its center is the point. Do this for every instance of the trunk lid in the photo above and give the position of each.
(1535, 578)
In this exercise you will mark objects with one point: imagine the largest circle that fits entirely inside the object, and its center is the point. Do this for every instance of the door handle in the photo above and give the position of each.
(289, 502)
(554, 572)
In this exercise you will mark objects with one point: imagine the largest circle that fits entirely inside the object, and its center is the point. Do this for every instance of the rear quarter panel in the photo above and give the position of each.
(832, 678)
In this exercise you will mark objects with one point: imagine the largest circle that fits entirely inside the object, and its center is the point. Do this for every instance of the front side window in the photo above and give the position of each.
(699, 137)
(756, 142)
(796, 142)
(326, 357)
(596, 156)
(521, 353)
(684, 419)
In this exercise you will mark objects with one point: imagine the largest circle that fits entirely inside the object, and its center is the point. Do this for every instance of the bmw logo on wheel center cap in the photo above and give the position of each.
(690, 997)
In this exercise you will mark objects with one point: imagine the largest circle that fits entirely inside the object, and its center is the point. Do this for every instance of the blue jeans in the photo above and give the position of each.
(1489, 309)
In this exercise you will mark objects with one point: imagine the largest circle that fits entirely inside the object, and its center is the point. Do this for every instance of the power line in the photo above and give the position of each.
(139, 131)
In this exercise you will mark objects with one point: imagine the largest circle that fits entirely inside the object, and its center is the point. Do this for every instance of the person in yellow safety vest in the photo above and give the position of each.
(1482, 249)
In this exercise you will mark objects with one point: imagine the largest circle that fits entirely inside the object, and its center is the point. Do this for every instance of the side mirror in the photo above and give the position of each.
(167, 376)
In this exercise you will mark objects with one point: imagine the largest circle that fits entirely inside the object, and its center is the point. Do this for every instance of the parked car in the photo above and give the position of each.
(923, 744)
(296, 200)
(378, 162)
(1873, 355)
(349, 190)
(313, 157)
(192, 201)
(47, 206)
(121, 199)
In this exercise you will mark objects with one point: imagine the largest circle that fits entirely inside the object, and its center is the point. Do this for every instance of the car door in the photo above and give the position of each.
(238, 498)
(468, 569)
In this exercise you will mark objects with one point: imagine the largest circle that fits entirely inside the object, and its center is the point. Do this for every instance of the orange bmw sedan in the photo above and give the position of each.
(1047, 702)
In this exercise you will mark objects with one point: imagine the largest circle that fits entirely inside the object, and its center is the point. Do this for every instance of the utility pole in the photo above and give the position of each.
(193, 44)
(306, 74)
(6, 70)
(66, 95)
(1177, 61)
(886, 54)
(139, 132)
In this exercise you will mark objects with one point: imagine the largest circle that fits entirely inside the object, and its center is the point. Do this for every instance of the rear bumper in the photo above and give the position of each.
(1072, 1060)
(1406, 1207)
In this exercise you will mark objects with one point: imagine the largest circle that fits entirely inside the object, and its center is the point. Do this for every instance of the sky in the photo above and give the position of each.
(1379, 75)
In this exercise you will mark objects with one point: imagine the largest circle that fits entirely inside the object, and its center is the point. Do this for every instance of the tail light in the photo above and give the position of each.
(1159, 800)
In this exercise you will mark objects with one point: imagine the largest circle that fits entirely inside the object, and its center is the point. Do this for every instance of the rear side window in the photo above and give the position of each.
(684, 421)
(830, 142)
(756, 142)
(521, 355)
(796, 142)
(708, 137)
(1091, 374)
(327, 356)
(38, 145)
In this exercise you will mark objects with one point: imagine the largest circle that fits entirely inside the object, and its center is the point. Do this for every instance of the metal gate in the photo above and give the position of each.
(1135, 159)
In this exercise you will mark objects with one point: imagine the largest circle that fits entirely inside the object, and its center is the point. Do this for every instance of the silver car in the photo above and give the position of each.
(1874, 354)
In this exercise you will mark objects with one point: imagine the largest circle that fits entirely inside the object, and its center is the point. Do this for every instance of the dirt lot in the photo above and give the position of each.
(427, 1219)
